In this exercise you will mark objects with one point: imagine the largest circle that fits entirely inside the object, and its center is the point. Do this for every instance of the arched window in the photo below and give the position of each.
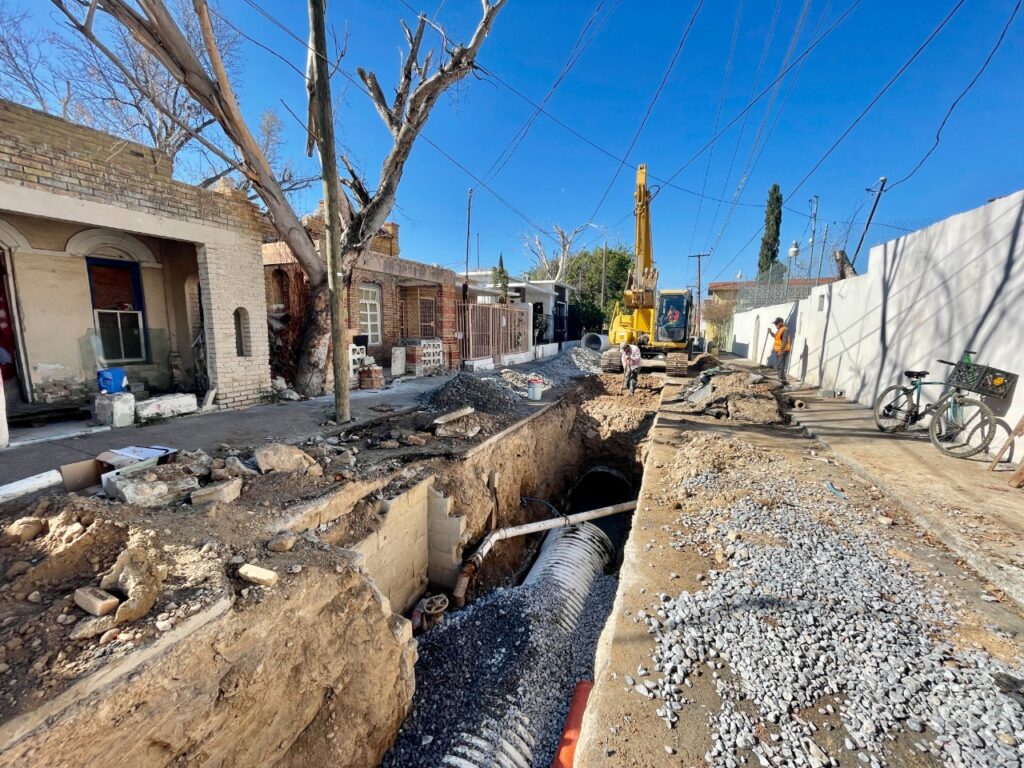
(243, 343)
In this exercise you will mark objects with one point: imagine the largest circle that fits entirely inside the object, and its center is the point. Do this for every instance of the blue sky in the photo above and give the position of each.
(556, 178)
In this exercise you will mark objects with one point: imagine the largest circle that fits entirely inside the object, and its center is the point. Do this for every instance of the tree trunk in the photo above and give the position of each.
(311, 371)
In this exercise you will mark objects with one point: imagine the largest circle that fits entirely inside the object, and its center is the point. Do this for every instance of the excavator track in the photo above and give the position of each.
(676, 364)
(611, 361)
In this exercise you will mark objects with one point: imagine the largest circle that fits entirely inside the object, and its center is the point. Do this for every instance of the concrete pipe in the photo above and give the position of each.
(596, 341)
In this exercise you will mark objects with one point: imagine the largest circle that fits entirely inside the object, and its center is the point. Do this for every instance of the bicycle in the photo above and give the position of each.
(962, 426)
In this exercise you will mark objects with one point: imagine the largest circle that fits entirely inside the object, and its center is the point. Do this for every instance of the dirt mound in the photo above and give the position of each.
(465, 389)
(737, 395)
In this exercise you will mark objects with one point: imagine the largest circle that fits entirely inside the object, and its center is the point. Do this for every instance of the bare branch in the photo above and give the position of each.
(355, 183)
(377, 97)
(409, 69)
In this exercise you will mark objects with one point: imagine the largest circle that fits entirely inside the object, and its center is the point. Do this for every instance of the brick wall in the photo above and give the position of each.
(42, 152)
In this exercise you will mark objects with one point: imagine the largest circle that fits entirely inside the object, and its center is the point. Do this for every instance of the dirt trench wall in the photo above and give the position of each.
(257, 686)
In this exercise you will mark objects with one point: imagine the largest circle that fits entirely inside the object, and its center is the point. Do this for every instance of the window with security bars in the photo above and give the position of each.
(369, 313)
(116, 291)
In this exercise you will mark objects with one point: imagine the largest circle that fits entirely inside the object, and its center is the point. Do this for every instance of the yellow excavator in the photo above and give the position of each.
(656, 321)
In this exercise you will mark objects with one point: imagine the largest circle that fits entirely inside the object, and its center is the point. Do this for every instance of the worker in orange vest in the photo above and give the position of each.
(783, 346)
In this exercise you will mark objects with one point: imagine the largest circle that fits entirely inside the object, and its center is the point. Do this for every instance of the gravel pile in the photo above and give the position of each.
(553, 372)
(518, 381)
(465, 389)
(807, 608)
(504, 653)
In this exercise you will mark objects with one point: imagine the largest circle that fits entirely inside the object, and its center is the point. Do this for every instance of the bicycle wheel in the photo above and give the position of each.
(962, 426)
(893, 408)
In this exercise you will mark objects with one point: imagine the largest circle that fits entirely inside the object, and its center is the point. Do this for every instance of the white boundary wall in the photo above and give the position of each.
(958, 284)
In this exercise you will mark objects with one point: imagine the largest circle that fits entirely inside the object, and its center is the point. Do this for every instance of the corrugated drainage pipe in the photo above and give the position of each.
(472, 565)
(569, 560)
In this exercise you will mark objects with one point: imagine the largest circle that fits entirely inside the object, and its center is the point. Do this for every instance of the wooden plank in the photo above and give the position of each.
(449, 417)
(1017, 432)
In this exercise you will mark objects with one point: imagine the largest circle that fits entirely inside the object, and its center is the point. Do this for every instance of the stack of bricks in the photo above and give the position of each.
(63, 392)
(371, 377)
(424, 356)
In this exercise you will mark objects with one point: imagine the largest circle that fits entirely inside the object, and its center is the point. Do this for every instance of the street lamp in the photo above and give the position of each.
(794, 251)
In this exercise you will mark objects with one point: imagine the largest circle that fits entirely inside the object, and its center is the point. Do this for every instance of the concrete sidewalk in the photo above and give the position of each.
(285, 422)
(969, 509)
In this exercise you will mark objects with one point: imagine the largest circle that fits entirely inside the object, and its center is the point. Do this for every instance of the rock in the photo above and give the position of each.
(137, 575)
(669, 750)
(115, 410)
(278, 383)
(289, 394)
(236, 467)
(25, 529)
(17, 568)
(418, 440)
(109, 636)
(92, 627)
(1007, 738)
(95, 601)
(4, 668)
(279, 457)
(164, 625)
(315, 470)
(884, 520)
(166, 406)
(296, 568)
(224, 492)
(220, 474)
(256, 575)
(198, 463)
(133, 489)
(35, 597)
(283, 542)
(389, 444)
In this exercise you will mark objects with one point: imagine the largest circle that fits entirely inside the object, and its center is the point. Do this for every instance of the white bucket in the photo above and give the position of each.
(534, 389)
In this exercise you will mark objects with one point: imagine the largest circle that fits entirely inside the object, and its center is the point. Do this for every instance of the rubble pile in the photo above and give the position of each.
(553, 372)
(464, 389)
(726, 393)
(806, 611)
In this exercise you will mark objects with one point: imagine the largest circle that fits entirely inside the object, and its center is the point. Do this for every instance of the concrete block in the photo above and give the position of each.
(224, 492)
(256, 575)
(96, 601)
(480, 364)
(166, 406)
(29, 485)
(398, 361)
(116, 410)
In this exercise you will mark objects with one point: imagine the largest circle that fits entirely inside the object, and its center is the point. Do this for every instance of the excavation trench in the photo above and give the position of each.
(494, 681)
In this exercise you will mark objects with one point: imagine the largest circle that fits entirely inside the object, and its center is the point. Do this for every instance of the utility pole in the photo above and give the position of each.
(874, 207)
(604, 273)
(477, 251)
(814, 230)
(324, 116)
(821, 261)
(700, 285)
(469, 218)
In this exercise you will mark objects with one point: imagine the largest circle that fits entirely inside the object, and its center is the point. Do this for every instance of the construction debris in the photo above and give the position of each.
(279, 457)
(728, 393)
(264, 577)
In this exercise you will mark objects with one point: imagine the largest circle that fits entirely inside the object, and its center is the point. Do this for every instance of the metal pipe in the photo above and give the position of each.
(471, 565)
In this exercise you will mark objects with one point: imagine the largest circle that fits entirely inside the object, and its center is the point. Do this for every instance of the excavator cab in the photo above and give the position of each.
(673, 318)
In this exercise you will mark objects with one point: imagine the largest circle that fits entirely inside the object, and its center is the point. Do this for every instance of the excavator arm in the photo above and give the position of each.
(642, 281)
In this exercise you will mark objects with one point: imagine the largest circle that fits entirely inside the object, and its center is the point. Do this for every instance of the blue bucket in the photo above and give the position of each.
(111, 380)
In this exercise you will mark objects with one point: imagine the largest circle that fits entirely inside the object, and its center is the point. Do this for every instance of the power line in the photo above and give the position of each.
(718, 115)
(651, 104)
(956, 101)
(750, 105)
(579, 47)
(892, 80)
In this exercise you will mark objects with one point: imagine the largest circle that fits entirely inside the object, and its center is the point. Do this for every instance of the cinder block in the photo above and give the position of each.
(96, 601)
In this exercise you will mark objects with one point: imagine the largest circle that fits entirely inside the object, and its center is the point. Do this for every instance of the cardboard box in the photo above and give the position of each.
(91, 476)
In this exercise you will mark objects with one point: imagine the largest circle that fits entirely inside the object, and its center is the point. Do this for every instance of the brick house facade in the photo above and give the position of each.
(105, 260)
(392, 300)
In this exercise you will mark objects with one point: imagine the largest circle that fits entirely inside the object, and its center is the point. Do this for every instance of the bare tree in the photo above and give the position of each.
(202, 72)
(555, 265)
(25, 72)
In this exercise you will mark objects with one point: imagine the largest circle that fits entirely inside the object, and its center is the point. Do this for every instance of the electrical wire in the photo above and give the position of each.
(892, 80)
(960, 96)
(650, 105)
(718, 117)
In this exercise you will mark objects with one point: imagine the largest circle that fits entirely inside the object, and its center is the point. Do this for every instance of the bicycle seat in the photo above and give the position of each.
(916, 374)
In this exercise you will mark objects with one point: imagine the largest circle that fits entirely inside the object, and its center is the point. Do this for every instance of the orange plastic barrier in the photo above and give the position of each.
(566, 753)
